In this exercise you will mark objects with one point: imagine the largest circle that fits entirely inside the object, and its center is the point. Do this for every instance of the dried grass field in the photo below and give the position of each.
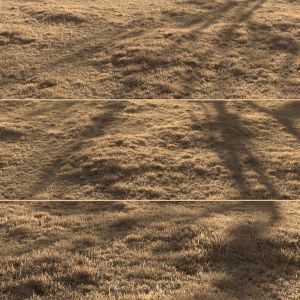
(145, 142)
(153, 149)
(129, 250)
(149, 49)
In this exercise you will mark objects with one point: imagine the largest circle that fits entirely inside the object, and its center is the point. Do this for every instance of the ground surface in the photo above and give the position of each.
(152, 149)
(150, 49)
(149, 150)
(216, 250)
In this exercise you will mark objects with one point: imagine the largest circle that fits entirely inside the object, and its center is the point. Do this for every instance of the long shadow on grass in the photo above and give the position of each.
(248, 257)
(259, 37)
(96, 128)
(259, 42)
(243, 10)
(232, 143)
(285, 115)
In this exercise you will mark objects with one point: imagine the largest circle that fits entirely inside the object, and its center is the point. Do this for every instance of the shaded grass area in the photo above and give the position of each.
(127, 250)
(149, 150)
(157, 49)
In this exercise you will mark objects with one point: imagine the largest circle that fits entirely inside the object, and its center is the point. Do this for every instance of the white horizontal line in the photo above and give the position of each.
(189, 200)
(168, 99)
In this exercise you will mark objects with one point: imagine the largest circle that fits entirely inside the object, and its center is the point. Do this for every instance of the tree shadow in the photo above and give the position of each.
(248, 255)
(244, 255)
(106, 43)
(96, 128)
(220, 12)
(240, 11)
(259, 37)
(285, 115)
(248, 258)
(262, 40)
(231, 140)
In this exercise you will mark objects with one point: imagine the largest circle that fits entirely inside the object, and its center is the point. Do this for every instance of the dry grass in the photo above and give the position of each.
(149, 49)
(149, 150)
(123, 250)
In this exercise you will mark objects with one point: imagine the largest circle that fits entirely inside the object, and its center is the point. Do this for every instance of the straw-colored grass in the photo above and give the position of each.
(127, 250)
(149, 49)
(149, 150)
